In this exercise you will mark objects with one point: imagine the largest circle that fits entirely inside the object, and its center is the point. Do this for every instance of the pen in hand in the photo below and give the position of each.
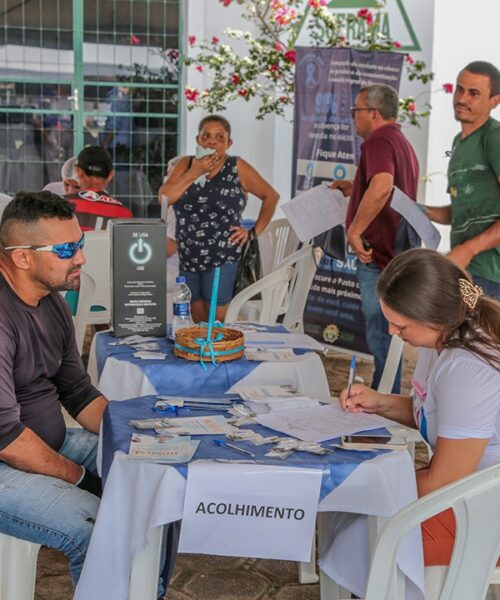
(352, 370)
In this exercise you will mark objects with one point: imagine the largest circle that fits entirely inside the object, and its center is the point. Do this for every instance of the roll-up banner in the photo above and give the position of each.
(326, 148)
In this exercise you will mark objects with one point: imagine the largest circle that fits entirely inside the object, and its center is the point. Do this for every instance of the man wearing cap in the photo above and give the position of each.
(48, 484)
(94, 206)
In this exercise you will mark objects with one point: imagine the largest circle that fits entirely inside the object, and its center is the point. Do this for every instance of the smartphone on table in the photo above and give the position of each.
(373, 442)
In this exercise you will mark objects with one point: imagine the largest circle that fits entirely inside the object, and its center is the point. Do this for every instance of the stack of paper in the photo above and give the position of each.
(164, 449)
(273, 398)
(195, 425)
(266, 340)
(322, 423)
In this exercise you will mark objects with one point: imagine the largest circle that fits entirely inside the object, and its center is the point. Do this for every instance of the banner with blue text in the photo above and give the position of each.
(326, 148)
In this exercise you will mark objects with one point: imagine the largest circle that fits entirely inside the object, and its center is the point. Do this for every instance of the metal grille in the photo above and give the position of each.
(76, 73)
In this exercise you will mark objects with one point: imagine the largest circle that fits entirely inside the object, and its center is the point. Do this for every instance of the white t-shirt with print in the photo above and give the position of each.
(456, 395)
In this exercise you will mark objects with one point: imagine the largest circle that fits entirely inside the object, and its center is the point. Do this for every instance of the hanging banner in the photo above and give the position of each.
(258, 511)
(326, 148)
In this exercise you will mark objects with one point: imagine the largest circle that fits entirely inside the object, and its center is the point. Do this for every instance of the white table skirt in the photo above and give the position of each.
(140, 496)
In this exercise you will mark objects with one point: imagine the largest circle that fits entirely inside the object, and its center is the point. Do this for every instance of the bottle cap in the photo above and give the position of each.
(180, 279)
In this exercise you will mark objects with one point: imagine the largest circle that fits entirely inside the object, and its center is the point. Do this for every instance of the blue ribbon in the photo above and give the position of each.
(206, 349)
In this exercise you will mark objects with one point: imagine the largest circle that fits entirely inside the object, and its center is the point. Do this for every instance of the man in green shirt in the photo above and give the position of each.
(474, 178)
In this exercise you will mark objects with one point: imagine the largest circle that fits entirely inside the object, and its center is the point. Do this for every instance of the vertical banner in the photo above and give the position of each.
(326, 148)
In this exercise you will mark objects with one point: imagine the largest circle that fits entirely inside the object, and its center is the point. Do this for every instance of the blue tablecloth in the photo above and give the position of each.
(117, 433)
(176, 375)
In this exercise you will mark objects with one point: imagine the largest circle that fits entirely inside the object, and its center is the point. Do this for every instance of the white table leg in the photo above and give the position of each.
(328, 588)
(146, 568)
(307, 570)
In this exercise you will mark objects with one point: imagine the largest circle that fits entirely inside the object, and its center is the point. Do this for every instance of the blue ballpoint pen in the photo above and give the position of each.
(352, 370)
(232, 446)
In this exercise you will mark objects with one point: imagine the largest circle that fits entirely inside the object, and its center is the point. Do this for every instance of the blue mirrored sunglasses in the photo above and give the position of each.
(65, 250)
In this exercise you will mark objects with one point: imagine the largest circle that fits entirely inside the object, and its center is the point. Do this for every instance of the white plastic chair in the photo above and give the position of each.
(4, 200)
(305, 261)
(17, 568)
(85, 301)
(273, 289)
(391, 365)
(276, 242)
(98, 255)
(475, 500)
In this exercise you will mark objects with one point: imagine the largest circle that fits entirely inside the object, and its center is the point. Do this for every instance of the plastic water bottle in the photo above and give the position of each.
(182, 305)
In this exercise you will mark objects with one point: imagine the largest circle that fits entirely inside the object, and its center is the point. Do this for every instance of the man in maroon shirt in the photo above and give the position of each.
(387, 160)
(94, 206)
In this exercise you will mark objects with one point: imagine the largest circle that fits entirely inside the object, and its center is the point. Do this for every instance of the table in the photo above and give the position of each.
(139, 497)
(122, 379)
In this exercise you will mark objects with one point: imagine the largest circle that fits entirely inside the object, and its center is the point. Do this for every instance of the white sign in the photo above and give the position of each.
(315, 211)
(258, 511)
(402, 204)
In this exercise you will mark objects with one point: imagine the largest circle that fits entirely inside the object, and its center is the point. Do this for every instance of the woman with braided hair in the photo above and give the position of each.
(431, 303)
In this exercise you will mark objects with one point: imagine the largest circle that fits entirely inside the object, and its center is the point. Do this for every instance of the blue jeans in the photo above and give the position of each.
(490, 288)
(50, 511)
(378, 338)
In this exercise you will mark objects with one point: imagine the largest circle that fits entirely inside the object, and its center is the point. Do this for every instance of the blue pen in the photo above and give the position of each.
(224, 443)
(352, 370)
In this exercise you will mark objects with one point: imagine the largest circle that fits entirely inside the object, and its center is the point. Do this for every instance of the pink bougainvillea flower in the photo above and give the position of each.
(364, 13)
(396, 44)
(235, 78)
(317, 3)
(226, 2)
(134, 40)
(191, 40)
(409, 59)
(199, 68)
(411, 107)
(191, 94)
(243, 92)
(215, 40)
(448, 88)
(290, 55)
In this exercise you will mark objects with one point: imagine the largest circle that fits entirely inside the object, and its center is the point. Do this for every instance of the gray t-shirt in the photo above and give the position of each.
(40, 368)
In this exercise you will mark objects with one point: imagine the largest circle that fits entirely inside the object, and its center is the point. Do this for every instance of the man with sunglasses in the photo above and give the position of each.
(48, 484)
(387, 160)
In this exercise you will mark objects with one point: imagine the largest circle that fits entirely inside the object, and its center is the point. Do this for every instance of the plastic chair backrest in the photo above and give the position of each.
(85, 301)
(17, 568)
(98, 254)
(272, 288)
(475, 500)
(276, 242)
(391, 365)
(305, 263)
(4, 200)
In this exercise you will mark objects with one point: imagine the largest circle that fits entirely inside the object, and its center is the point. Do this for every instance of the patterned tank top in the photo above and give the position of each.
(204, 216)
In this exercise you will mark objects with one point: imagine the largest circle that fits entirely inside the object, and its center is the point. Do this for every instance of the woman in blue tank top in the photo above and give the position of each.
(209, 195)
